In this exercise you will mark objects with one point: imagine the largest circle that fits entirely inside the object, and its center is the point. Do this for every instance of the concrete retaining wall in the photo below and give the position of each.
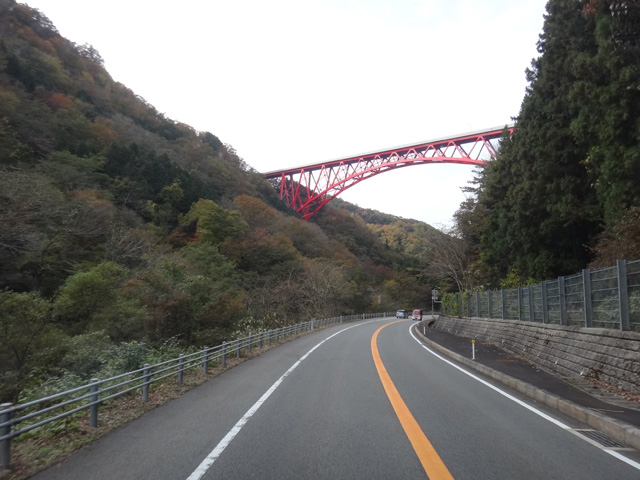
(612, 356)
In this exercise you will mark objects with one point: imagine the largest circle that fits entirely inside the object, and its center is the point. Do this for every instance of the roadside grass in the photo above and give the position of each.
(43, 448)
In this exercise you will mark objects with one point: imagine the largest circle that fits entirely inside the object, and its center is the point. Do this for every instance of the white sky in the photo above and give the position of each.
(291, 82)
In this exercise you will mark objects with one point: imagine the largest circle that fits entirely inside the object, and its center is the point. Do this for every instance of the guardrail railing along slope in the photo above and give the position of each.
(16, 420)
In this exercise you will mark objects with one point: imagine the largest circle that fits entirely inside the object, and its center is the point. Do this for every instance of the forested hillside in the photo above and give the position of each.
(126, 236)
(564, 191)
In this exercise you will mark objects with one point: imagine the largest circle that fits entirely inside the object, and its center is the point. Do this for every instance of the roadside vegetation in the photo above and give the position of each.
(55, 441)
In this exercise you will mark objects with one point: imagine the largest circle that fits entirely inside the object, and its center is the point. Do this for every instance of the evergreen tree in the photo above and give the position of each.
(543, 209)
(607, 122)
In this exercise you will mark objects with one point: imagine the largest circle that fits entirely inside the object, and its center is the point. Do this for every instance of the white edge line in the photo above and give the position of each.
(493, 387)
(622, 458)
(199, 472)
(560, 424)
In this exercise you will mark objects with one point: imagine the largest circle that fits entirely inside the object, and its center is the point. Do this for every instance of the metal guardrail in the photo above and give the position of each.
(16, 420)
(602, 298)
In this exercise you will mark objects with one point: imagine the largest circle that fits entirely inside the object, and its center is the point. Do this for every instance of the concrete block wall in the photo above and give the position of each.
(612, 356)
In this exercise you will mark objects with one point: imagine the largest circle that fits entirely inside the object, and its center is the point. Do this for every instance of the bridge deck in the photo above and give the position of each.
(308, 188)
(468, 137)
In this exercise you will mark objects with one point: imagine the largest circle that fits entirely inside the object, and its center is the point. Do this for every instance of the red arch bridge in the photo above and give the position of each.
(309, 188)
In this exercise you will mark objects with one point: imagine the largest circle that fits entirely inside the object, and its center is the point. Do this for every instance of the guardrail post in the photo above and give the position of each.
(180, 368)
(586, 293)
(563, 301)
(224, 354)
(5, 430)
(205, 361)
(93, 399)
(623, 294)
(250, 343)
(145, 383)
(545, 304)
(261, 339)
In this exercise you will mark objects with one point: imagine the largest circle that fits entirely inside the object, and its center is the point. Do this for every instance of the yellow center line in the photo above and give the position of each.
(431, 461)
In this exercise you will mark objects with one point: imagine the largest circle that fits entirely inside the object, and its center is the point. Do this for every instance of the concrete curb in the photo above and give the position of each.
(614, 428)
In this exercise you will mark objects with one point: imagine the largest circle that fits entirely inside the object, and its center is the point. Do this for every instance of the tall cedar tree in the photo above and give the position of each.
(608, 95)
(542, 208)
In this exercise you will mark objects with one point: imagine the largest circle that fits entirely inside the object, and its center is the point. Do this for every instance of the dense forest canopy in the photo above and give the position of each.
(565, 187)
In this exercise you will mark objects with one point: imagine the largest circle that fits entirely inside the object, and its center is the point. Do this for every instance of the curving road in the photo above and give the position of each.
(322, 406)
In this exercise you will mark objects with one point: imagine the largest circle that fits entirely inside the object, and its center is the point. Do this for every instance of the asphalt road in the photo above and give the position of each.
(316, 407)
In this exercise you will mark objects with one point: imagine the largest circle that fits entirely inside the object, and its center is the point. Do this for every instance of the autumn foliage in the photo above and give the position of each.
(124, 233)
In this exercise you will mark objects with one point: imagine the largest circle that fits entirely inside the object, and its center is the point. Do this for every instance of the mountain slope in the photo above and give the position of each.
(120, 226)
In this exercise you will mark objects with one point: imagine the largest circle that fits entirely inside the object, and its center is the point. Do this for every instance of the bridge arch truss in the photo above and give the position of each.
(309, 188)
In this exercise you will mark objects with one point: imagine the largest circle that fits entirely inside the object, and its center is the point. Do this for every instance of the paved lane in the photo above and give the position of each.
(479, 433)
(331, 420)
(328, 416)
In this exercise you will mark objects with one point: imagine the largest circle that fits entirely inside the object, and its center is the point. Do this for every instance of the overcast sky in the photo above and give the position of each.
(291, 82)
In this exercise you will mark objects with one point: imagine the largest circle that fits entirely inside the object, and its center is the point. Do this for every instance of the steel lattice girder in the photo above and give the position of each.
(309, 188)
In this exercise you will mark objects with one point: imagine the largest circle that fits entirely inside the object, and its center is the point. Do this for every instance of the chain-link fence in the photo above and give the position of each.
(600, 298)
